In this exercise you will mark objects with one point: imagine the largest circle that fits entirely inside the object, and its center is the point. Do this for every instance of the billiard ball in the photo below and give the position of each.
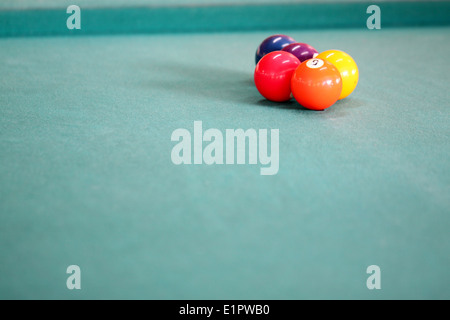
(346, 66)
(316, 84)
(302, 51)
(273, 75)
(272, 43)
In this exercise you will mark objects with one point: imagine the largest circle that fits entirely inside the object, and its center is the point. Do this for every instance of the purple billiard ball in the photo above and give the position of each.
(272, 43)
(302, 51)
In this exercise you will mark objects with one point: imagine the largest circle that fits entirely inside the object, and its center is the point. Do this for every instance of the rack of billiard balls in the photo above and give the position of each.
(286, 68)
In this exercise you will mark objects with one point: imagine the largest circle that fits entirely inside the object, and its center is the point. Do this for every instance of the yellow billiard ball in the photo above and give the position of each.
(346, 66)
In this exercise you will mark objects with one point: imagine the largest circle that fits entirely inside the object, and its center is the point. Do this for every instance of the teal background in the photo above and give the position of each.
(86, 176)
(177, 16)
(39, 4)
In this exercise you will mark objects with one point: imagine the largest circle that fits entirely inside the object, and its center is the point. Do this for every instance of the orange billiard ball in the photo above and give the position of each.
(316, 84)
(273, 75)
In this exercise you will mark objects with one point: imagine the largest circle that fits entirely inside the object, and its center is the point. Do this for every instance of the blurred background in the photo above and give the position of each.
(18, 18)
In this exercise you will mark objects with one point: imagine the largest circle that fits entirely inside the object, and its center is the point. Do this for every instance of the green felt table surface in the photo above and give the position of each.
(86, 176)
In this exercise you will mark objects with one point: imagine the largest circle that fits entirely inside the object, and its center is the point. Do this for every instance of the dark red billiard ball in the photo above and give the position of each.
(302, 51)
(272, 43)
(316, 84)
(273, 75)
